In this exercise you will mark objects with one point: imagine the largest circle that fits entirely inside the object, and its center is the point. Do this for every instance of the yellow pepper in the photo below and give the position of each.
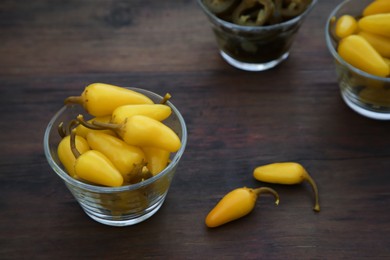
(236, 204)
(387, 60)
(286, 173)
(376, 23)
(157, 159)
(124, 156)
(126, 202)
(376, 96)
(355, 50)
(83, 131)
(66, 156)
(95, 167)
(345, 26)
(100, 99)
(377, 7)
(380, 43)
(144, 131)
(156, 111)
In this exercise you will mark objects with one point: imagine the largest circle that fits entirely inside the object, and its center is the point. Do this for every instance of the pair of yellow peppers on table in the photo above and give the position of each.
(240, 202)
(365, 43)
(124, 143)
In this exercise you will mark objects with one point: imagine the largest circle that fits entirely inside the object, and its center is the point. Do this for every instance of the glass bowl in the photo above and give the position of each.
(364, 93)
(255, 48)
(118, 206)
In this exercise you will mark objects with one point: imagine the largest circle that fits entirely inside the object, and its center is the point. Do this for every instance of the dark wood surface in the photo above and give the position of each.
(236, 121)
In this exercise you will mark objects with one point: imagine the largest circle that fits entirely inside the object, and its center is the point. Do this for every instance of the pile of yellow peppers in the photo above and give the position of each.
(364, 42)
(124, 143)
(240, 202)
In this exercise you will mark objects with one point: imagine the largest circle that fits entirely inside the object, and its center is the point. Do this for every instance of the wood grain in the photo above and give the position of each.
(236, 121)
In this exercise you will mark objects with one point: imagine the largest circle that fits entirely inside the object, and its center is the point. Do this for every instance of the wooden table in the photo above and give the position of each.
(236, 121)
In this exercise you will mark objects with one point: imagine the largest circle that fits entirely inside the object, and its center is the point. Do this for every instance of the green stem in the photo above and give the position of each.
(139, 173)
(81, 120)
(315, 190)
(166, 98)
(72, 124)
(75, 152)
(74, 100)
(333, 21)
(61, 130)
(261, 190)
(110, 126)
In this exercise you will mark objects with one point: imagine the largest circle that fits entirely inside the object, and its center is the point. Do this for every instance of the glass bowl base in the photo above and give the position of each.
(252, 66)
(364, 112)
(122, 221)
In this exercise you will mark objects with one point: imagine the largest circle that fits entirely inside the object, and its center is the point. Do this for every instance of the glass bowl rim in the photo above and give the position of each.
(102, 189)
(245, 28)
(333, 50)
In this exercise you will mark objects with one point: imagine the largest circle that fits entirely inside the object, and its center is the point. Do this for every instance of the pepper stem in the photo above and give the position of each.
(81, 120)
(74, 100)
(315, 190)
(261, 190)
(139, 173)
(110, 126)
(166, 98)
(331, 33)
(73, 147)
(61, 130)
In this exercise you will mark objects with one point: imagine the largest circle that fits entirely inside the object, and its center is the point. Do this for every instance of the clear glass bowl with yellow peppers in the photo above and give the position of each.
(358, 37)
(117, 150)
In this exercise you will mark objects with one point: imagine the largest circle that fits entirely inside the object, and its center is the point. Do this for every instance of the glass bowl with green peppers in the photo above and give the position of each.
(255, 35)
(98, 186)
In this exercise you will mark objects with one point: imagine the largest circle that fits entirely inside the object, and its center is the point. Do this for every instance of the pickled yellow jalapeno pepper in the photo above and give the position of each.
(94, 166)
(253, 12)
(380, 43)
(377, 7)
(345, 26)
(66, 156)
(156, 111)
(157, 159)
(236, 204)
(376, 23)
(124, 156)
(64, 149)
(286, 173)
(355, 50)
(100, 99)
(144, 131)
